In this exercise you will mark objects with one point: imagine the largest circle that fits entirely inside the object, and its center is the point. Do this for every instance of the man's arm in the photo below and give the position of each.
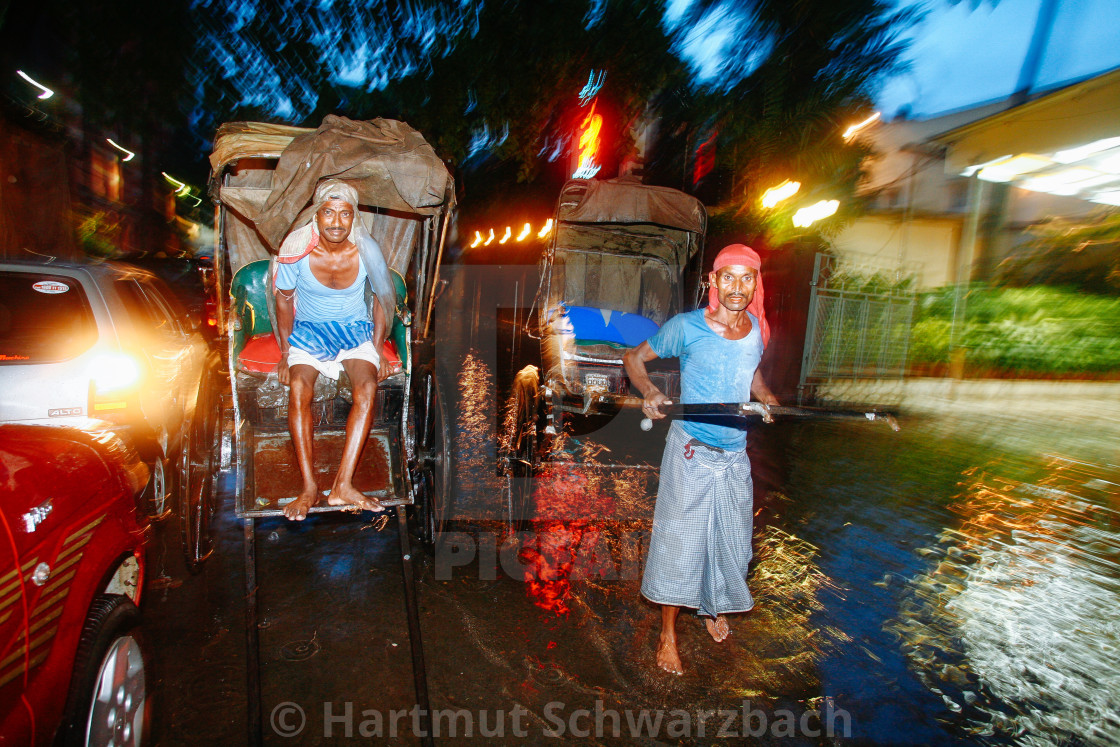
(762, 392)
(285, 318)
(635, 361)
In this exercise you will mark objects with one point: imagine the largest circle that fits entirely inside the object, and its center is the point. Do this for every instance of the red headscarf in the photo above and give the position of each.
(741, 254)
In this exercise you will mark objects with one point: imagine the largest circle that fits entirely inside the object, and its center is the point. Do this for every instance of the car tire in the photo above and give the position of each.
(108, 701)
(160, 493)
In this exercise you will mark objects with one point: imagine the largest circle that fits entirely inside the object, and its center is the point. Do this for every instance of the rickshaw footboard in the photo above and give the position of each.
(272, 476)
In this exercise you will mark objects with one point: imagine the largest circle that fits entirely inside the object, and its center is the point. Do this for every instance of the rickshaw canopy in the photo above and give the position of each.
(267, 173)
(627, 200)
(621, 245)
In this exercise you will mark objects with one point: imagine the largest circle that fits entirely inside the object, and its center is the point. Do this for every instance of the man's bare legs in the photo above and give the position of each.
(718, 628)
(299, 425)
(363, 385)
(668, 658)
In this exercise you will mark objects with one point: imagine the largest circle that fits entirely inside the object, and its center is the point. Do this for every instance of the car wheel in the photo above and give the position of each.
(161, 487)
(108, 699)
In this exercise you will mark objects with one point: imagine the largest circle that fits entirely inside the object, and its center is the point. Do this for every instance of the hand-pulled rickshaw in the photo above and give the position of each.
(263, 179)
(624, 258)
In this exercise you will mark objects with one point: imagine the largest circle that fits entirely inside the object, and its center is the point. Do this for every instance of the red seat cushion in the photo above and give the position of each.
(262, 354)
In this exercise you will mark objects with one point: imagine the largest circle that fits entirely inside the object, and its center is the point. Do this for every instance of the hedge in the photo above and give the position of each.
(1039, 330)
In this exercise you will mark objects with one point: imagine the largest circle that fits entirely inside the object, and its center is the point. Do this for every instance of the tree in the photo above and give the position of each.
(800, 72)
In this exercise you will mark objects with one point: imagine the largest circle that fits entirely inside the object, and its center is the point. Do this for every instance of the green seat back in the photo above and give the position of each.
(249, 301)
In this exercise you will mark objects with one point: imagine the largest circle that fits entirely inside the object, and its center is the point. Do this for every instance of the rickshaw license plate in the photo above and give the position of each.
(601, 381)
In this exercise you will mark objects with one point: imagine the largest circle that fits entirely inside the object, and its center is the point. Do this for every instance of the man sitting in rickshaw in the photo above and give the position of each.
(325, 326)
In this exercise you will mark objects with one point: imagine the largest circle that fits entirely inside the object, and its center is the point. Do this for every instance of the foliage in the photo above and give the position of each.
(454, 71)
(99, 234)
(1032, 330)
(1083, 251)
(801, 72)
(493, 85)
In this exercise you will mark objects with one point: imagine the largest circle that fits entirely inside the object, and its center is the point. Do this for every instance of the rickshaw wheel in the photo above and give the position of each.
(198, 465)
(433, 458)
(520, 445)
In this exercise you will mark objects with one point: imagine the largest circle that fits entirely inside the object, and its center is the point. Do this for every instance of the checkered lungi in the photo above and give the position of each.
(702, 527)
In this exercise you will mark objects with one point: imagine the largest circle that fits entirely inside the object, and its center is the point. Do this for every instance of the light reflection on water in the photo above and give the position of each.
(1014, 624)
(947, 580)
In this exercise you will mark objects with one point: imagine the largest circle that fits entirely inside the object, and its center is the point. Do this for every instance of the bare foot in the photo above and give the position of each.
(297, 509)
(718, 628)
(667, 656)
(348, 495)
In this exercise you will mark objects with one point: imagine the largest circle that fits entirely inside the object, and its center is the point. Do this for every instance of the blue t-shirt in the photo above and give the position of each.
(713, 369)
(316, 302)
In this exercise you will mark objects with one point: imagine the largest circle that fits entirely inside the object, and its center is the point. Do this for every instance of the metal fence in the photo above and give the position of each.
(859, 322)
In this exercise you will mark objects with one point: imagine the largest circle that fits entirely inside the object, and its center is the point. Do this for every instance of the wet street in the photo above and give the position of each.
(952, 583)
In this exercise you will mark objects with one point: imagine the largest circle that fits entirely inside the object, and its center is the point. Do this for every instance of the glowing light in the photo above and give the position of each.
(1004, 170)
(586, 172)
(1068, 181)
(525, 231)
(113, 372)
(1107, 198)
(46, 92)
(783, 191)
(594, 83)
(477, 239)
(547, 229)
(505, 237)
(970, 170)
(588, 145)
(807, 216)
(487, 242)
(129, 155)
(1073, 155)
(181, 188)
(851, 131)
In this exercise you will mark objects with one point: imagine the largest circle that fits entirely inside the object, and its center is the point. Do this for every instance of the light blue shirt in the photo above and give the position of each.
(316, 302)
(713, 369)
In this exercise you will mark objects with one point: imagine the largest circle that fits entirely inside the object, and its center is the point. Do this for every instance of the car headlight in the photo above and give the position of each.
(114, 383)
(113, 372)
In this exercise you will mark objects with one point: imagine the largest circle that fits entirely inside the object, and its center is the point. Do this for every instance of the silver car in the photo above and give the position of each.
(106, 341)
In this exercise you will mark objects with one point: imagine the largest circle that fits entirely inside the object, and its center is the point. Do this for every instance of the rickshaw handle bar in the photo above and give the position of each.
(759, 411)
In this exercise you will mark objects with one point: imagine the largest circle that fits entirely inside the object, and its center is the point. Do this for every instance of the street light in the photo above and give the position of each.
(129, 155)
(774, 195)
(181, 188)
(807, 216)
(46, 92)
(851, 131)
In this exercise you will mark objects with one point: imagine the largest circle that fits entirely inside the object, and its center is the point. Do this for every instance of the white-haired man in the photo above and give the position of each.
(325, 327)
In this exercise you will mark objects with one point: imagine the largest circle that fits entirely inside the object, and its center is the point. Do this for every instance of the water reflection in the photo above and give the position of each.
(945, 580)
(1013, 624)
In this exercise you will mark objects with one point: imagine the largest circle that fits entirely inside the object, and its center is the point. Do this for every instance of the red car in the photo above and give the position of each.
(73, 668)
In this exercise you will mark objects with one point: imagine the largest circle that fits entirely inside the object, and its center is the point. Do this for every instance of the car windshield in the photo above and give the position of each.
(43, 317)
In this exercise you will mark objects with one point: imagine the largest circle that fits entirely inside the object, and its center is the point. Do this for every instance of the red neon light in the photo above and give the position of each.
(589, 138)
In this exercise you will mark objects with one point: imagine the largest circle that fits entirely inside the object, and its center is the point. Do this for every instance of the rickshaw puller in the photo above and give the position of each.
(325, 327)
(703, 519)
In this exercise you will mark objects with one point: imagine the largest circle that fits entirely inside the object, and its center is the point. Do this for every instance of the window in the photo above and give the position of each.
(144, 313)
(105, 176)
(43, 318)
